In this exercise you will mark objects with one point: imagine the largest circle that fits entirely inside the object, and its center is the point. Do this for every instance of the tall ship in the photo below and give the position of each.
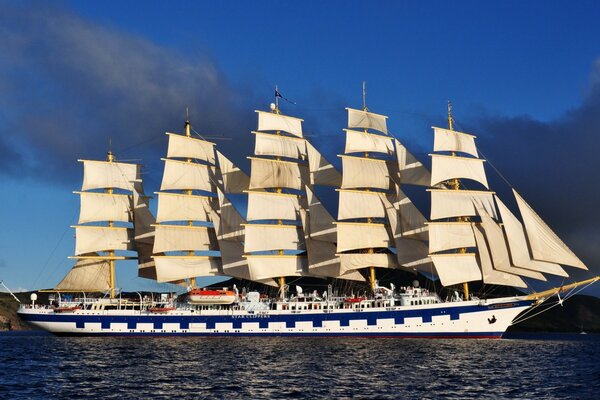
(288, 239)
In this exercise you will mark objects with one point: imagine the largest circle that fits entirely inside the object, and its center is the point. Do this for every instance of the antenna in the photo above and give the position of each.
(187, 122)
(276, 99)
(450, 119)
(109, 156)
(364, 96)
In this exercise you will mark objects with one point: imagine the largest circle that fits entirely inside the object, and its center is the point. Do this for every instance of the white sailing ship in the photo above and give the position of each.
(288, 235)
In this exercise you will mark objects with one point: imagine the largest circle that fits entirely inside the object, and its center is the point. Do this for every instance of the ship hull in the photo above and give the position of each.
(467, 319)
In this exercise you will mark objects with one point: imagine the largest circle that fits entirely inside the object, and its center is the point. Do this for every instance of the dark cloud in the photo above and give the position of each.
(555, 165)
(67, 85)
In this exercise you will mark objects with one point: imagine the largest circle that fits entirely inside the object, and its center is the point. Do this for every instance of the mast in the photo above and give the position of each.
(273, 234)
(362, 229)
(96, 245)
(184, 234)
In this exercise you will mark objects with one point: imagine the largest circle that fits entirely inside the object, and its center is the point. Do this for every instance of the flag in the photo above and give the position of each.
(277, 94)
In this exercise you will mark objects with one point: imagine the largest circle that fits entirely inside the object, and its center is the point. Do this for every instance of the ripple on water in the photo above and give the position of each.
(235, 368)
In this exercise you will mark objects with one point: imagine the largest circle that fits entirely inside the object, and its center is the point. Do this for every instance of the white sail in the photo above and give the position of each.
(356, 261)
(105, 174)
(545, 244)
(321, 170)
(176, 268)
(362, 172)
(143, 227)
(183, 237)
(517, 243)
(447, 140)
(266, 237)
(268, 173)
(411, 170)
(274, 266)
(460, 203)
(322, 227)
(444, 168)
(270, 206)
(188, 147)
(366, 120)
(87, 275)
(182, 175)
(490, 275)
(412, 222)
(268, 144)
(231, 223)
(181, 207)
(359, 204)
(90, 239)
(450, 235)
(499, 250)
(456, 268)
(268, 121)
(360, 235)
(365, 142)
(96, 207)
(234, 179)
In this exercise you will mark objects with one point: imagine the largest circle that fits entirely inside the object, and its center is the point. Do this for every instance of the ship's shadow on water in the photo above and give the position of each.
(552, 367)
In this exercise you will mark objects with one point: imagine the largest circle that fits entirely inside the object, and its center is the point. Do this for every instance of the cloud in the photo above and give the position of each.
(554, 165)
(67, 85)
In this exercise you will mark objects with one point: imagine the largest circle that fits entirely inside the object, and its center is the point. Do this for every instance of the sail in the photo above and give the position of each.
(268, 173)
(460, 203)
(182, 175)
(412, 222)
(449, 167)
(267, 237)
(321, 170)
(450, 235)
(411, 170)
(109, 174)
(366, 120)
(182, 207)
(97, 207)
(181, 146)
(449, 140)
(361, 235)
(268, 144)
(490, 275)
(268, 121)
(517, 244)
(176, 268)
(359, 204)
(274, 266)
(184, 237)
(322, 227)
(456, 268)
(545, 244)
(231, 223)
(91, 239)
(234, 180)
(143, 225)
(272, 206)
(362, 172)
(87, 275)
(365, 142)
(498, 248)
(356, 261)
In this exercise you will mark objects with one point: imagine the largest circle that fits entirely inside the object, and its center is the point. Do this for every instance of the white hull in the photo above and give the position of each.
(476, 319)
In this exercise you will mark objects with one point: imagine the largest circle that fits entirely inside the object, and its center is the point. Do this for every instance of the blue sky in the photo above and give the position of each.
(523, 76)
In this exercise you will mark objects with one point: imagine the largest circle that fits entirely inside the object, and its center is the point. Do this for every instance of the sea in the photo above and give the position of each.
(524, 366)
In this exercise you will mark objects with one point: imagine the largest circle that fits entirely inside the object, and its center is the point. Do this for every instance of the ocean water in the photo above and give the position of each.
(529, 367)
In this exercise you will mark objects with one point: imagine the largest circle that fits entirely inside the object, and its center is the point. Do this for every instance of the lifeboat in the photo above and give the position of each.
(161, 310)
(66, 309)
(211, 296)
(354, 299)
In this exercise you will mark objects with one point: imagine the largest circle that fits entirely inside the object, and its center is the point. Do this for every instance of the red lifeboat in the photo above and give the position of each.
(355, 299)
(211, 296)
